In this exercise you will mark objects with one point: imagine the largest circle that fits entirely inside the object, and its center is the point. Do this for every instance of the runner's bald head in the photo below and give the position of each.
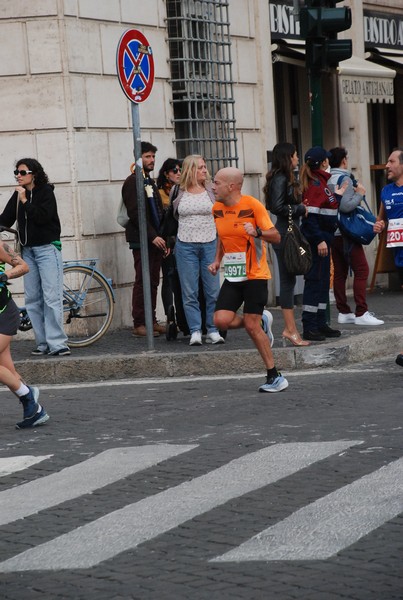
(227, 185)
(232, 175)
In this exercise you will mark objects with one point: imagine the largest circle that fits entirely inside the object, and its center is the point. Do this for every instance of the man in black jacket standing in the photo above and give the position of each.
(156, 244)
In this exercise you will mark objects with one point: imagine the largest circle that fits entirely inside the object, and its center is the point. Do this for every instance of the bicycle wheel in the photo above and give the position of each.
(87, 305)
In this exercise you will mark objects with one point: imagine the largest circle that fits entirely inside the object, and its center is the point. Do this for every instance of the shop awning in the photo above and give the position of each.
(290, 53)
(364, 81)
(360, 80)
(387, 57)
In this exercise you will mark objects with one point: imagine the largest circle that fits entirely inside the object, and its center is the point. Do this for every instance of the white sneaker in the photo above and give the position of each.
(214, 338)
(196, 339)
(267, 322)
(346, 318)
(368, 319)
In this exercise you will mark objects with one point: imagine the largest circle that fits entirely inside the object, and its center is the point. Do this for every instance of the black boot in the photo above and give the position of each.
(399, 360)
(171, 328)
(329, 332)
(313, 335)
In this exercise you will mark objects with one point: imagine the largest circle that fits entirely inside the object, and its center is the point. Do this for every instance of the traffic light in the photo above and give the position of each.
(320, 21)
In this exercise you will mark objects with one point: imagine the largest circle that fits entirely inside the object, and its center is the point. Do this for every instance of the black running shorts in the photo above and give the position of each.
(10, 319)
(252, 293)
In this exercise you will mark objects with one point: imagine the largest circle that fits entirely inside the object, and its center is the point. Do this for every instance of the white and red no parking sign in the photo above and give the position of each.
(135, 65)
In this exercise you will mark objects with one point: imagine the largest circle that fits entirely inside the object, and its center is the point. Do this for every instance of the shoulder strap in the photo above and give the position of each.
(175, 192)
(340, 179)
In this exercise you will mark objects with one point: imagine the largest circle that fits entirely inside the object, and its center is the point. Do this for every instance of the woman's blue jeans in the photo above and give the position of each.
(43, 287)
(192, 260)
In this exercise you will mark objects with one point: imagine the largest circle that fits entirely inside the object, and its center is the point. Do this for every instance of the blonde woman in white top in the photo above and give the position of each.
(196, 246)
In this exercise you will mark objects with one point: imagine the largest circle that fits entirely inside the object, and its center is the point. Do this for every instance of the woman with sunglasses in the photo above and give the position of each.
(168, 176)
(33, 413)
(33, 206)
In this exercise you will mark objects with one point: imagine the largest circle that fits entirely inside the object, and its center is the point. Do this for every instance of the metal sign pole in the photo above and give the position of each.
(135, 69)
(142, 227)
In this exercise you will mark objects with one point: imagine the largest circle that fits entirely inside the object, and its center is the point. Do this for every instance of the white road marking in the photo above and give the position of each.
(191, 379)
(128, 527)
(12, 464)
(327, 526)
(83, 478)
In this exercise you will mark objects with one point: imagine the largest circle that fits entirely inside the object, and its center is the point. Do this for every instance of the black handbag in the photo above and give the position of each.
(169, 226)
(297, 253)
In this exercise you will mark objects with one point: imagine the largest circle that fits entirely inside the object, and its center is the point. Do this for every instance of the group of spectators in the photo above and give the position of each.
(187, 187)
(193, 225)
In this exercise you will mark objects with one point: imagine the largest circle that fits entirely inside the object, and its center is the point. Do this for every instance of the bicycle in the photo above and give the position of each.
(88, 301)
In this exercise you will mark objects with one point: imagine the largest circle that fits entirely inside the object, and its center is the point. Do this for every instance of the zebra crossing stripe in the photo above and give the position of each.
(327, 526)
(12, 464)
(83, 478)
(136, 523)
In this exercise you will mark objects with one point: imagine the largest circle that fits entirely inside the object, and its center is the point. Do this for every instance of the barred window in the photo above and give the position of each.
(201, 79)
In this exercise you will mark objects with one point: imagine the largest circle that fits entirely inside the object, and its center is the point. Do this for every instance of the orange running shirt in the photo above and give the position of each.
(229, 221)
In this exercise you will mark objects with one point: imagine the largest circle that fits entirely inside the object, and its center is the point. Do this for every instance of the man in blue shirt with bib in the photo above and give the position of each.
(391, 209)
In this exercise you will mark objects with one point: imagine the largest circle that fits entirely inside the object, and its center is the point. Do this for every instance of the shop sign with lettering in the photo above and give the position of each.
(283, 21)
(383, 30)
(366, 89)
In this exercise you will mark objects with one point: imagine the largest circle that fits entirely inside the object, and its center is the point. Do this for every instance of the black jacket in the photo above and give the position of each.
(129, 194)
(281, 195)
(38, 221)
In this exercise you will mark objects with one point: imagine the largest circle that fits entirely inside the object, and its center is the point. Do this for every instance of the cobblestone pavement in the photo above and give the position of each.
(185, 471)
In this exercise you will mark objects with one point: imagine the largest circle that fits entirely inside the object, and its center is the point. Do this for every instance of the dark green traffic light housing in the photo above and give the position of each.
(320, 21)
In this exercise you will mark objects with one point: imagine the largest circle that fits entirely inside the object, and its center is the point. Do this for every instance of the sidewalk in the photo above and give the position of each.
(119, 355)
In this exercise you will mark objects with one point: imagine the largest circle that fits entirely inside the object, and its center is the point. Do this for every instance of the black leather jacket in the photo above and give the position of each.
(281, 195)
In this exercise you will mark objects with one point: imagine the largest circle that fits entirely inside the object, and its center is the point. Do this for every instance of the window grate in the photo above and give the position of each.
(201, 79)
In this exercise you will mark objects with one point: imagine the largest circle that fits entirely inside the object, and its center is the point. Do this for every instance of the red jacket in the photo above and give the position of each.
(321, 222)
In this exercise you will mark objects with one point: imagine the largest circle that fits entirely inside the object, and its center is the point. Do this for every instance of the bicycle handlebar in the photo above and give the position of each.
(3, 228)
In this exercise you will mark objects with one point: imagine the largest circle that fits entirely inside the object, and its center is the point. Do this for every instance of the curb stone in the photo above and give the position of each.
(113, 367)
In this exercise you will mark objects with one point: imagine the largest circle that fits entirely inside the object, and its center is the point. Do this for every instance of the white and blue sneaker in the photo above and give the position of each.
(34, 413)
(267, 322)
(274, 384)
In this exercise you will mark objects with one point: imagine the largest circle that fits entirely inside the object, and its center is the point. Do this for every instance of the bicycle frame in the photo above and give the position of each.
(88, 262)
(80, 303)
(75, 300)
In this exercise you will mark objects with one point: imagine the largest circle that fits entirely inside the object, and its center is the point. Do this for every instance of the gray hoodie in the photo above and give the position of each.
(350, 199)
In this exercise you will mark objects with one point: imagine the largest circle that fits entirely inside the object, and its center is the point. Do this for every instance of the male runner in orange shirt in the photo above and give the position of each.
(243, 227)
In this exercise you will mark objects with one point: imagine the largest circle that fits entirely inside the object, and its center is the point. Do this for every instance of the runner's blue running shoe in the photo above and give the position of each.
(267, 321)
(30, 402)
(34, 413)
(274, 384)
(39, 418)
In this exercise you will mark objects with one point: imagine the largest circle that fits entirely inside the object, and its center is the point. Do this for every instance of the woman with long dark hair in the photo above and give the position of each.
(282, 194)
(168, 176)
(33, 206)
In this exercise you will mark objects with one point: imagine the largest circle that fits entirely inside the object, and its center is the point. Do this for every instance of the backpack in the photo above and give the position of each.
(357, 225)
(122, 217)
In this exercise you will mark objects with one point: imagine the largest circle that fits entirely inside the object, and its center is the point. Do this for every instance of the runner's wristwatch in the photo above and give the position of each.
(258, 231)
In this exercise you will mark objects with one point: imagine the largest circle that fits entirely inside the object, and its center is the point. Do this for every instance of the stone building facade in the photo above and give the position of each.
(61, 103)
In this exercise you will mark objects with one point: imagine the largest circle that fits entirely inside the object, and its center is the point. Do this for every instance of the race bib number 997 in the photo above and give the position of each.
(235, 266)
